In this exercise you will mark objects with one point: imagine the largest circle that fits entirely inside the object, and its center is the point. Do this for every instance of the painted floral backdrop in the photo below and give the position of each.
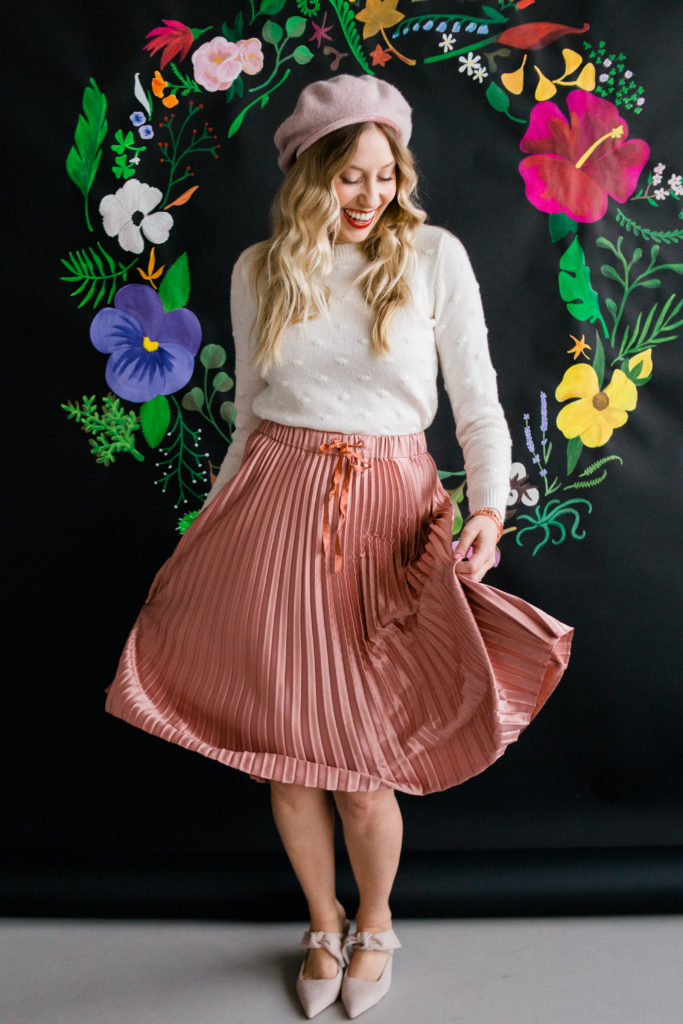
(580, 113)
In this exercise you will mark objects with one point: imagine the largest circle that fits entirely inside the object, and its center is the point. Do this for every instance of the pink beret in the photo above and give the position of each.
(334, 102)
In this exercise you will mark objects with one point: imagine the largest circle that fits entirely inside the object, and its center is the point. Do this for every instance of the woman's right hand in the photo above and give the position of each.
(479, 533)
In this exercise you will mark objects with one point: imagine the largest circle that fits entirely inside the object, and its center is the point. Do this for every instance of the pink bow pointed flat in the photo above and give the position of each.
(316, 994)
(359, 995)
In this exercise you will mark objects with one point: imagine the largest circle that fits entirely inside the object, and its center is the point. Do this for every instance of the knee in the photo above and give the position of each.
(291, 794)
(360, 807)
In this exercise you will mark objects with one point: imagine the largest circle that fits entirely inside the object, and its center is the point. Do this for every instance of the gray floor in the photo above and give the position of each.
(615, 970)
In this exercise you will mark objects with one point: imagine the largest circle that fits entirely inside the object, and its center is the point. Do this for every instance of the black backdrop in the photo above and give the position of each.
(584, 812)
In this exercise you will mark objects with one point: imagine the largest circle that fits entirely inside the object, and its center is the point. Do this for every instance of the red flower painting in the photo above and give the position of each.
(575, 165)
(174, 40)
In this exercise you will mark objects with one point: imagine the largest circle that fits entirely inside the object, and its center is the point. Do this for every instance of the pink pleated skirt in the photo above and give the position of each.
(310, 628)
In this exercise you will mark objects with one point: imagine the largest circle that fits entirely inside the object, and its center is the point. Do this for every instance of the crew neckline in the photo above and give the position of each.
(346, 252)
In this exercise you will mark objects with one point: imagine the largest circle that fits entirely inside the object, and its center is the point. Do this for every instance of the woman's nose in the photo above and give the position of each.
(369, 196)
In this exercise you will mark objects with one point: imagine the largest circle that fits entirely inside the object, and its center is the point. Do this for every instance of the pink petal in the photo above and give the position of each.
(618, 172)
(592, 117)
(554, 185)
(548, 131)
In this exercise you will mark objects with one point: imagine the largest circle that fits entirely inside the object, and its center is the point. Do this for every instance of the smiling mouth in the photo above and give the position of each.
(359, 219)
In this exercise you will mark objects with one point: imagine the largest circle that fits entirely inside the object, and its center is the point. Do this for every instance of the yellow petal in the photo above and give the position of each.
(615, 417)
(545, 88)
(599, 433)
(579, 381)
(643, 362)
(577, 417)
(572, 60)
(622, 392)
(514, 80)
(586, 79)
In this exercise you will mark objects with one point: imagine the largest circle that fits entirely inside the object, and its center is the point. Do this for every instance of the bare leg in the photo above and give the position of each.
(373, 831)
(304, 817)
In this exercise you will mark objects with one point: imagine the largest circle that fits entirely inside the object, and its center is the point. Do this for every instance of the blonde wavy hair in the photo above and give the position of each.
(289, 269)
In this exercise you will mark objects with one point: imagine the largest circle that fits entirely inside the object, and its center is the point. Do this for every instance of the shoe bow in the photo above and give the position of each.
(331, 941)
(382, 941)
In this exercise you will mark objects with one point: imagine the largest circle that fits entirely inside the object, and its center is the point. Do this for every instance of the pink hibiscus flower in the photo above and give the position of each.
(575, 166)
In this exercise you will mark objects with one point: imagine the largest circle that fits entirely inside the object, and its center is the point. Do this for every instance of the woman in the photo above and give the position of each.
(314, 626)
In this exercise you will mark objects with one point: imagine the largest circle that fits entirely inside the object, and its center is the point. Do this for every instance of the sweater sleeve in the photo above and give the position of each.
(470, 379)
(248, 383)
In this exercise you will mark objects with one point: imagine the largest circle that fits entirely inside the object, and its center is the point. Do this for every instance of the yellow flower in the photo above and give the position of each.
(643, 361)
(378, 15)
(595, 414)
(546, 89)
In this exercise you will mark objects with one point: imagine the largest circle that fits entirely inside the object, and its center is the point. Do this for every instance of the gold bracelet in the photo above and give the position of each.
(492, 513)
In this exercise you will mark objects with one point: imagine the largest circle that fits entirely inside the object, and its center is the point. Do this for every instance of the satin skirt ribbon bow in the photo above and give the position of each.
(354, 462)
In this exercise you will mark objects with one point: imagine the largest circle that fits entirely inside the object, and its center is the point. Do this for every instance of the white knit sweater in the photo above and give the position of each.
(330, 379)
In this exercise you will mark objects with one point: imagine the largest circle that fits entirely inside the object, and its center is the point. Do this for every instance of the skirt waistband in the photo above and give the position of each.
(374, 446)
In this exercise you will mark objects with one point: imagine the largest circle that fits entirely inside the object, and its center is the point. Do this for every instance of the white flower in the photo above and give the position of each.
(447, 42)
(628, 74)
(519, 487)
(607, 63)
(674, 181)
(640, 101)
(661, 193)
(134, 160)
(660, 168)
(470, 63)
(128, 214)
(656, 178)
(603, 78)
(677, 190)
(479, 74)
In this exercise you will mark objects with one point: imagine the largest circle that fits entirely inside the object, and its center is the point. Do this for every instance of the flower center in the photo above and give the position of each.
(615, 133)
(600, 401)
(150, 345)
(137, 217)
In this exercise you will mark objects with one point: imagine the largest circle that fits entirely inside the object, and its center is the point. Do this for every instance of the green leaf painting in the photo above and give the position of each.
(174, 290)
(84, 156)
(155, 419)
(575, 285)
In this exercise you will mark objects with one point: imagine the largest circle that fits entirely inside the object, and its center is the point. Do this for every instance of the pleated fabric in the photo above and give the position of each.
(310, 627)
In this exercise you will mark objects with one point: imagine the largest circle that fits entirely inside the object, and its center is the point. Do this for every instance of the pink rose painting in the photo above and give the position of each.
(576, 165)
(219, 62)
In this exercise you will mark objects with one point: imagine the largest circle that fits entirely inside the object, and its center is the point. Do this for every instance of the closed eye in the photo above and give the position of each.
(347, 181)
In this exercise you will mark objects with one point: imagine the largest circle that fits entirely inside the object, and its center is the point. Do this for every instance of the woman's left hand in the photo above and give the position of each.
(480, 534)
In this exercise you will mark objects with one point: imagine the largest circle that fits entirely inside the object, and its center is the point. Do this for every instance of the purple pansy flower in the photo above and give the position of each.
(152, 352)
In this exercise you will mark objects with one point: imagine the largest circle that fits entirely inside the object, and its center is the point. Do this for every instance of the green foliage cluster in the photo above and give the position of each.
(655, 329)
(96, 275)
(124, 147)
(624, 92)
(113, 428)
